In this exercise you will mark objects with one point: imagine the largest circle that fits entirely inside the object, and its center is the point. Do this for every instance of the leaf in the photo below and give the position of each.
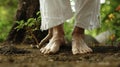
(30, 20)
(20, 26)
(30, 24)
(38, 13)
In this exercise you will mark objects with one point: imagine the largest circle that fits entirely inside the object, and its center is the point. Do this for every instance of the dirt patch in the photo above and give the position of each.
(10, 50)
(103, 56)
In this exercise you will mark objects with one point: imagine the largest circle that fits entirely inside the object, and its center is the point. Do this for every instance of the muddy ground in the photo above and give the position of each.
(103, 56)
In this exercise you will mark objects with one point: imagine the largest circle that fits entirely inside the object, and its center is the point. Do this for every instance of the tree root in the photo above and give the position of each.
(43, 41)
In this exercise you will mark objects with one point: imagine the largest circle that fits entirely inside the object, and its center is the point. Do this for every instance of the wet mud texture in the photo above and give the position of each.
(25, 56)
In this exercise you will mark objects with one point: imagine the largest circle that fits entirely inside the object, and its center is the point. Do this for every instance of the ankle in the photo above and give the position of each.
(58, 30)
(78, 31)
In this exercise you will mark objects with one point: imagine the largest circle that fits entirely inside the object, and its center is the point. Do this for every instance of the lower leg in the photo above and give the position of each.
(78, 44)
(78, 31)
(58, 30)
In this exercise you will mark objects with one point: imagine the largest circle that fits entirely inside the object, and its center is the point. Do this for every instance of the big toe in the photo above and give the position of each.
(75, 51)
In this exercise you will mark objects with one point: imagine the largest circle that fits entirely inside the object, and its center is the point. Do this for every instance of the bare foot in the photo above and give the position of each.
(78, 44)
(53, 46)
(55, 42)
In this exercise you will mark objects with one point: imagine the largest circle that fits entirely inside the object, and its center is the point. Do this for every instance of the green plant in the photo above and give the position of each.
(31, 25)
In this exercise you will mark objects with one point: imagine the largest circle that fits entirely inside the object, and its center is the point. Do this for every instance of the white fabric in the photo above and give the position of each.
(55, 12)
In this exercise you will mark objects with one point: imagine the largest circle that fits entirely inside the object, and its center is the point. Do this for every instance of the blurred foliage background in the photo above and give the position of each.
(7, 12)
(110, 19)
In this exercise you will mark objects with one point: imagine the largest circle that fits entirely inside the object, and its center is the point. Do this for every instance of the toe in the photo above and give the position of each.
(90, 50)
(43, 50)
(87, 49)
(81, 51)
(75, 51)
(47, 51)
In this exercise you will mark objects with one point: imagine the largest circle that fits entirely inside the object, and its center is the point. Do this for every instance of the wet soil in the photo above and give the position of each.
(25, 56)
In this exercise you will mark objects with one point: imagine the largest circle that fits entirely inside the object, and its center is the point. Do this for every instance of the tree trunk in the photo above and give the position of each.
(26, 9)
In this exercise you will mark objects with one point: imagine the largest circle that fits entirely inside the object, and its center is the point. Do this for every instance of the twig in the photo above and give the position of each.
(46, 39)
